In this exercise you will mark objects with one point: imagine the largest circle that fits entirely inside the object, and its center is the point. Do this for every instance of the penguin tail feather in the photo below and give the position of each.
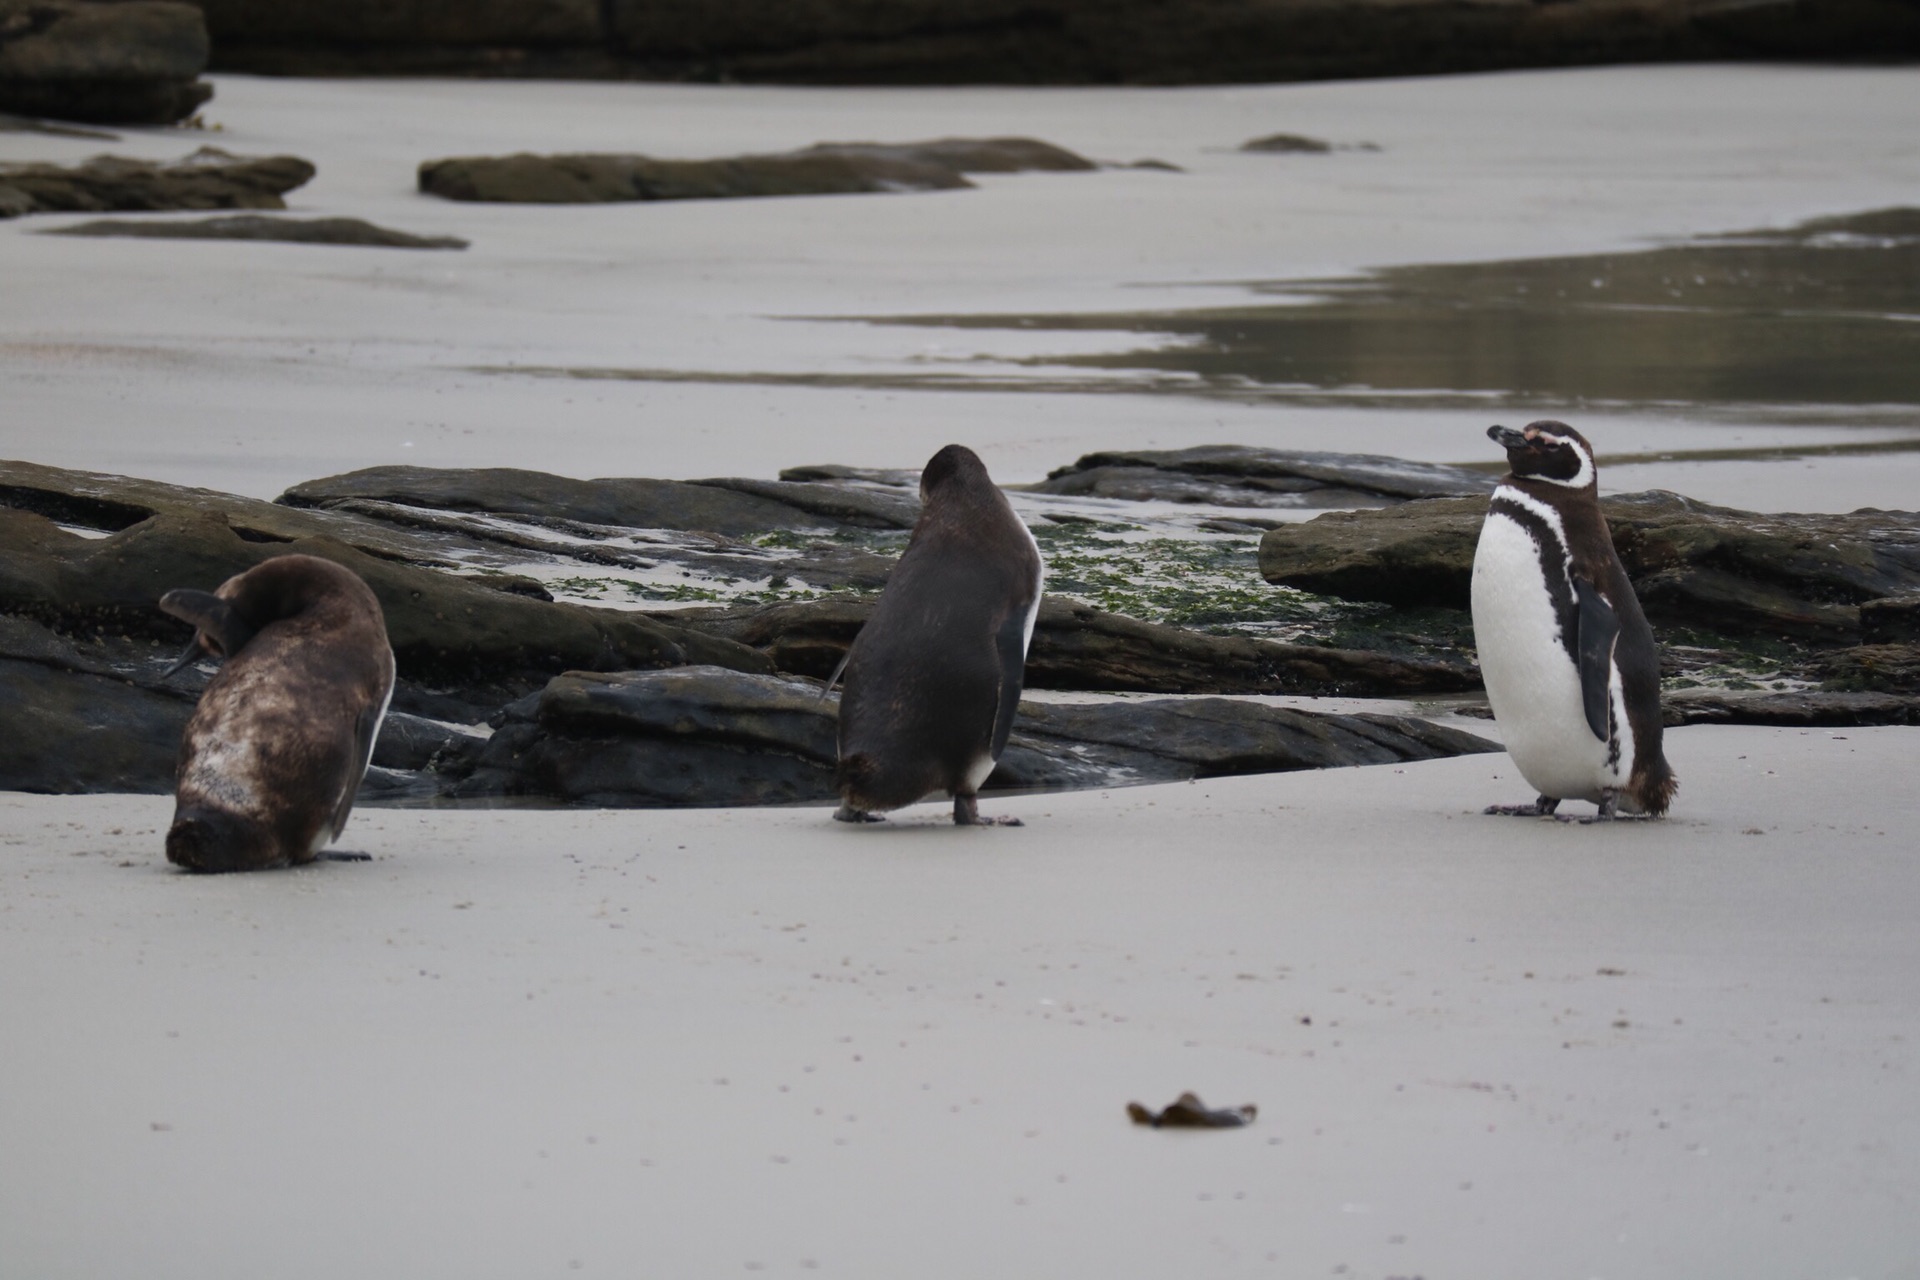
(1652, 788)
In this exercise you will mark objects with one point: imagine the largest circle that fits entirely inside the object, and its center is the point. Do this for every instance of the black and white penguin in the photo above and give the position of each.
(933, 679)
(1570, 663)
(273, 755)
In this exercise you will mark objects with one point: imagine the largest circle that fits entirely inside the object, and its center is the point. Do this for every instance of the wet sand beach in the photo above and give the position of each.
(525, 1042)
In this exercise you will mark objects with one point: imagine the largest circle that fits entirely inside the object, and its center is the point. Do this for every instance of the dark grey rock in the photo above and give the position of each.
(1076, 646)
(1886, 668)
(207, 179)
(1022, 41)
(834, 473)
(1243, 476)
(857, 506)
(826, 169)
(339, 231)
(703, 736)
(1890, 620)
(1726, 571)
(1804, 709)
(1288, 144)
(375, 24)
(130, 62)
(446, 629)
(85, 715)
(1176, 739)
(711, 507)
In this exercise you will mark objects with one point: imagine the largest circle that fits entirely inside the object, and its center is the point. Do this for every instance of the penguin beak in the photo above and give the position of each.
(193, 654)
(1508, 438)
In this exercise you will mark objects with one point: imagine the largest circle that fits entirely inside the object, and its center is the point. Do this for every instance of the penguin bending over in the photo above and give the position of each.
(1570, 664)
(273, 756)
(933, 679)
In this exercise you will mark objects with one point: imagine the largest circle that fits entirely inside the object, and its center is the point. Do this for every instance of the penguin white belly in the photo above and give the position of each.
(1532, 682)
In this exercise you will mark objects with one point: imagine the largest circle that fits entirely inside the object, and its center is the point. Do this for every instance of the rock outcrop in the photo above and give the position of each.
(1243, 476)
(827, 169)
(729, 507)
(1076, 646)
(475, 644)
(208, 179)
(130, 62)
(699, 736)
(244, 226)
(1724, 571)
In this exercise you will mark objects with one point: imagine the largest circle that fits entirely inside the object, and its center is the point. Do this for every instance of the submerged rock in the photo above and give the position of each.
(826, 169)
(705, 736)
(343, 231)
(1243, 476)
(131, 62)
(1724, 571)
(208, 179)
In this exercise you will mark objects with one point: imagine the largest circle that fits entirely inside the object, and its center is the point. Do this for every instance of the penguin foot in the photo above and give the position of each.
(966, 813)
(338, 855)
(1541, 808)
(847, 813)
(1608, 810)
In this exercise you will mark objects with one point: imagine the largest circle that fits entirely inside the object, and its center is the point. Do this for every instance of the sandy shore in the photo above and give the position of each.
(711, 1043)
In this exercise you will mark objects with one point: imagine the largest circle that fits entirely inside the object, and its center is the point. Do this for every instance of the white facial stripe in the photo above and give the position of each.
(1579, 479)
(1526, 501)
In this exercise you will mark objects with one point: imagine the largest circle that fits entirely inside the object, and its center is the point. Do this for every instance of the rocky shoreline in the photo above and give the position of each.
(516, 680)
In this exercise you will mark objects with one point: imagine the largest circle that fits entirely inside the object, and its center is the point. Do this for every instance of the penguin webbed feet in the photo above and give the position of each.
(966, 813)
(1541, 808)
(1608, 809)
(847, 813)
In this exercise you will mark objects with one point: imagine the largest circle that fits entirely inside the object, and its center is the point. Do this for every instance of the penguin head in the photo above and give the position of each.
(1550, 451)
(955, 466)
(226, 619)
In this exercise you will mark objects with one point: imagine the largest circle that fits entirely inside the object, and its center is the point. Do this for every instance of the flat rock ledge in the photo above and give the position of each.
(700, 736)
(132, 62)
(729, 507)
(843, 168)
(208, 179)
(1820, 578)
(1076, 646)
(247, 226)
(1243, 476)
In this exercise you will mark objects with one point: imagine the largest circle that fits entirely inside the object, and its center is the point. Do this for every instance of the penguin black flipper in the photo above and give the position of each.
(1011, 645)
(1599, 632)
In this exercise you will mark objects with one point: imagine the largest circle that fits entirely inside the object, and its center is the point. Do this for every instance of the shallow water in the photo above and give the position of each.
(1823, 314)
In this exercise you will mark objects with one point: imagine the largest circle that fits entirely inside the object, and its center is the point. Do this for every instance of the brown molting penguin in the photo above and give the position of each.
(1571, 667)
(933, 679)
(274, 754)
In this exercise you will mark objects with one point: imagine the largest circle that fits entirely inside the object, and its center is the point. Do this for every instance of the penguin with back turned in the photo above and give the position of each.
(1571, 666)
(934, 677)
(273, 755)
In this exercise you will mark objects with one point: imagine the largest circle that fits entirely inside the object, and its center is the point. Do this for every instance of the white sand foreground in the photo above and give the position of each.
(709, 1043)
